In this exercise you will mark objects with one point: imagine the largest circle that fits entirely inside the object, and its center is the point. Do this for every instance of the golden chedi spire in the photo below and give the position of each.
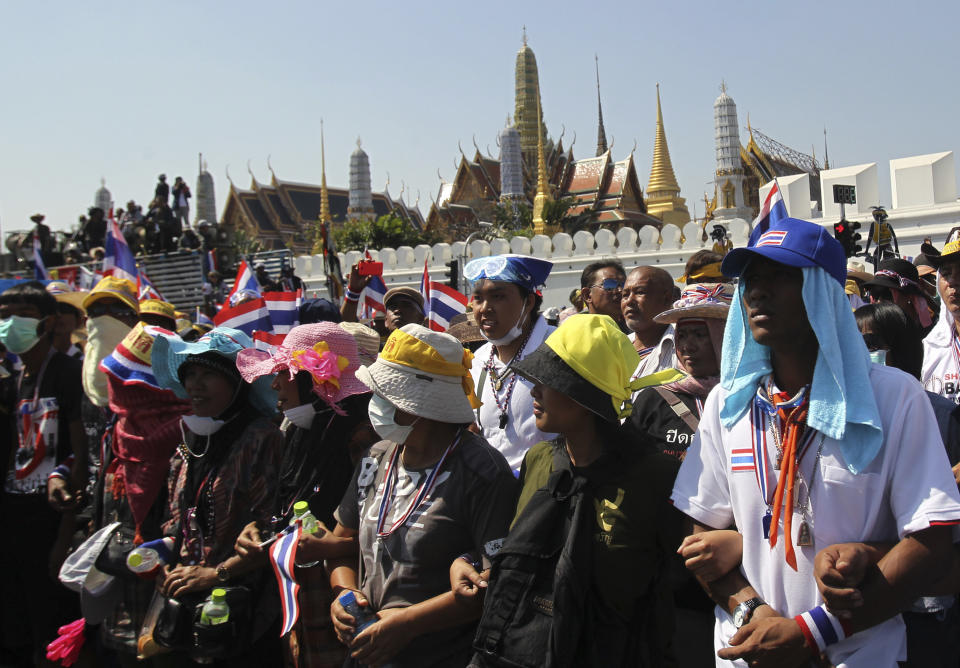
(543, 188)
(663, 191)
(324, 195)
(525, 116)
(324, 219)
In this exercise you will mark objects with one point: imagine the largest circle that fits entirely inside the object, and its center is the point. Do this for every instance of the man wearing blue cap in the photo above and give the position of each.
(807, 444)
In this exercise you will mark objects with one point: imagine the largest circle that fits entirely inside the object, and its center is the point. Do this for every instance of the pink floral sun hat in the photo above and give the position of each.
(323, 349)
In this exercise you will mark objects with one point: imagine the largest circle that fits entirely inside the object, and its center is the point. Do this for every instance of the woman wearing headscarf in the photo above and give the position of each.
(135, 463)
(506, 307)
(223, 476)
(668, 407)
(430, 491)
(325, 419)
(577, 582)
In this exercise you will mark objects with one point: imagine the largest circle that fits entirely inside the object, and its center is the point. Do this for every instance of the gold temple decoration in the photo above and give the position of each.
(663, 191)
(543, 189)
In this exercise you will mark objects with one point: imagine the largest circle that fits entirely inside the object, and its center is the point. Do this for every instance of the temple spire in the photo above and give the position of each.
(663, 191)
(324, 195)
(662, 178)
(826, 153)
(543, 189)
(601, 133)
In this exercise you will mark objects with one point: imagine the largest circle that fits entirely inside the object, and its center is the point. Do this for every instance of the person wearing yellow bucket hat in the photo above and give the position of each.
(111, 313)
(430, 491)
(158, 313)
(593, 529)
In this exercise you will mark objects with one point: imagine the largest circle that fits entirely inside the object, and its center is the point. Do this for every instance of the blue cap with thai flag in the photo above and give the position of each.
(795, 243)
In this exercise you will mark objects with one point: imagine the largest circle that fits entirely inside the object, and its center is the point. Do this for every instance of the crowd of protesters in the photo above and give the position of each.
(164, 227)
(750, 466)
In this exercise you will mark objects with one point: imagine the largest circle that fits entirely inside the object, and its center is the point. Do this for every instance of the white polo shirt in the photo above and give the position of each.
(521, 432)
(906, 488)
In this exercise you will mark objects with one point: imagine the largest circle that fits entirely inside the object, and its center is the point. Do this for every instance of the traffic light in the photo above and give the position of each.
(852, 247)
(453, 274)
(839, 230)
(846, 233)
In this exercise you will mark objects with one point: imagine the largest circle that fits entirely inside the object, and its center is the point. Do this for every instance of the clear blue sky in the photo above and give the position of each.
(126, 90)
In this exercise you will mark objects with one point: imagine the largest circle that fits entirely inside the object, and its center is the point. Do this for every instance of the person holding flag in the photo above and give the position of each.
(325, 407)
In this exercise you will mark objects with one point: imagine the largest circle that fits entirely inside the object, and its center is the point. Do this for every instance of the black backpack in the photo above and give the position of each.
(540, 608)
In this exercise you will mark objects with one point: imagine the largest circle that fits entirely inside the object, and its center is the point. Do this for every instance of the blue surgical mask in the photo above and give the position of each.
(383, 418)
(19, 334)
(879, 356)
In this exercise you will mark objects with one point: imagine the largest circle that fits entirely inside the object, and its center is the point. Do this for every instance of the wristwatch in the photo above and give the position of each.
(223, 573)
(743, 612)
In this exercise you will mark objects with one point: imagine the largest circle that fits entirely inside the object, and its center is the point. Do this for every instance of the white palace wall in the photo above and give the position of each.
(926, 182)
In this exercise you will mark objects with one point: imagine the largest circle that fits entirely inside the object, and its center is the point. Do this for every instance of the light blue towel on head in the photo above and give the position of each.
(842, 405)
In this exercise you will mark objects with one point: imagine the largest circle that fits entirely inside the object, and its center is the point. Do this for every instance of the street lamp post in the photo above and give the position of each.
(484, 225)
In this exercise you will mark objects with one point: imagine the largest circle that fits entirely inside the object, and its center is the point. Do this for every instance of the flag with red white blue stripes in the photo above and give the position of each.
(283, 555)
(145, 288)
(117, 259)
(284, 310)
(772, 212)
(246, 317)
(445, 304)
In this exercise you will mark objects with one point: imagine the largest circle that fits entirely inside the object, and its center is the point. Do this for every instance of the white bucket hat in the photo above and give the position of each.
(424, 373)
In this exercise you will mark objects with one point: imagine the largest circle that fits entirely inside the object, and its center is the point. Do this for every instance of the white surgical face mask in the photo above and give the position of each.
(301, 416)
(202, 426)
(509, 337)
(878, 356)
(382, 416)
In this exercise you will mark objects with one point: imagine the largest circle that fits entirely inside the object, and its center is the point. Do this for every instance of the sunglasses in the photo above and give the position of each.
(609, 284)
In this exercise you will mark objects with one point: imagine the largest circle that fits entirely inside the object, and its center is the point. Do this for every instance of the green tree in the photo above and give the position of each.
(389, 231)
(245, 242)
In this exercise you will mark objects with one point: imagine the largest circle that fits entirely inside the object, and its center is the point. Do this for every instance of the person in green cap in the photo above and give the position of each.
(578, 580)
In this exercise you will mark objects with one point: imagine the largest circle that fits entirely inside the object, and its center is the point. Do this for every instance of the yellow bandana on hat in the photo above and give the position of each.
(409, 351)
(711, 270)
(595, 348)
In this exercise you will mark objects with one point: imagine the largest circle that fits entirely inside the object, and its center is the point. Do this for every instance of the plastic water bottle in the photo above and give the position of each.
(301, 513)
(147, 559)
(215, 610)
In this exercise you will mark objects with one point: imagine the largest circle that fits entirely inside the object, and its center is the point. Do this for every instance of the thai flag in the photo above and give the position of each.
(425, 286)
(741, 459)
(283, 555)
(445, 303)
(145, 288)
(266, 341)
(39, 269)
(374, 293)
(771, 213)
(118, 260)
(284, 308)
(202, 319)
(246, 317)
(246, 280)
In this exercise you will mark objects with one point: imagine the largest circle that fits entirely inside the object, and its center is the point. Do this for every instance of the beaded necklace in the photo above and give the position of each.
(496, 380)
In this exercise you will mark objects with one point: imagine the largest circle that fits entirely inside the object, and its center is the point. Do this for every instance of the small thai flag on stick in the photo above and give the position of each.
(283, 555)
